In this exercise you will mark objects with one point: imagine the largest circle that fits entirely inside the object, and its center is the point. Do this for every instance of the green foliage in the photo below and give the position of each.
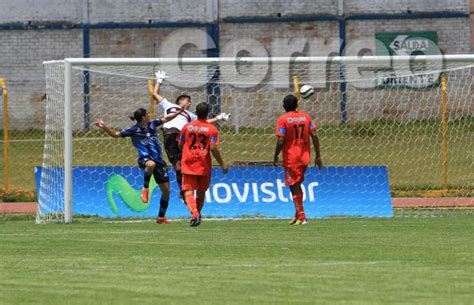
(363, 131)
(23, 134)
(17, 217)
(18, 196)
(411, 150)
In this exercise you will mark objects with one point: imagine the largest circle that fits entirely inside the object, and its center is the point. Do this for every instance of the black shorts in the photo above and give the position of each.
(172, 148)
(160, 173)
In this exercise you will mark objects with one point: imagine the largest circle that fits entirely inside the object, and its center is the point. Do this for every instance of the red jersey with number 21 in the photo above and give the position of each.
(197, 137)
(295, 127)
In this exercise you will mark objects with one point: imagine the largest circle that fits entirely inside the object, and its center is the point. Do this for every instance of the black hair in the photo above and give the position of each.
(181, 97)
(290, 103)
(138, 115)
(202, 110)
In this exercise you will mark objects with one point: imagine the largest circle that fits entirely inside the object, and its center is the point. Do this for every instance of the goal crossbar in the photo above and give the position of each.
(458, 58)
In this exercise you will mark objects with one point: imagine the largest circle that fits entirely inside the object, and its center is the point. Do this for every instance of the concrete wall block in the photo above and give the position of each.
(144, 10)
(352, 7)
(44, 11)
(117, 11)
(283, 39)
(164, 42)
(260, 8)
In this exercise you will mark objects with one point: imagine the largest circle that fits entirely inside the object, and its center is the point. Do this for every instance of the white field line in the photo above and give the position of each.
(329, 263)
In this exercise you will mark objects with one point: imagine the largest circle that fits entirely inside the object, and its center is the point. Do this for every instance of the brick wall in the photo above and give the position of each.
(453, 33)
(23, 50)
(21, 56)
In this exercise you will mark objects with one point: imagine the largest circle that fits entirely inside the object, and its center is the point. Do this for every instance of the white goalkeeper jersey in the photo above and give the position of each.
(178, 122)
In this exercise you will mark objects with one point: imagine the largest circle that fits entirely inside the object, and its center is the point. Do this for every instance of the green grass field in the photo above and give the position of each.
(403, 260)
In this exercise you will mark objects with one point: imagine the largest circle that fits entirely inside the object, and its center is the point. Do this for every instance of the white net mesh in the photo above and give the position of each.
(51, 191)
(368, 115)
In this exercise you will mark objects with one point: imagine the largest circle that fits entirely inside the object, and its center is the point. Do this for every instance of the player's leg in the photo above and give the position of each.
(161, 177)
(179, 176)
(190, 184)
(289, 181)
(204, 182)
(192, 206)
(200, 196)
(164, 202)
(293, 178)
(174, 154)
(149, 167)
(297, 194)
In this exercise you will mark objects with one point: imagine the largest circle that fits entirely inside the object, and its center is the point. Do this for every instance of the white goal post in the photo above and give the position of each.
(366, 100)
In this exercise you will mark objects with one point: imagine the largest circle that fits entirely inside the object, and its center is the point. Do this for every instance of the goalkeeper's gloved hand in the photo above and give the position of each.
(160, 76)
(223, 116)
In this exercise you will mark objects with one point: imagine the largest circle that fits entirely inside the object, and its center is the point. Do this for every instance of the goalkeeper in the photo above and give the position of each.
(172, 129)
(144, 137)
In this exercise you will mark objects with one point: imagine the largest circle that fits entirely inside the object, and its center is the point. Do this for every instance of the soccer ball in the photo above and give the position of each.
(306, 91)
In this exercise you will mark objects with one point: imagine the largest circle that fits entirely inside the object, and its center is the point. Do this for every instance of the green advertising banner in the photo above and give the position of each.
(407, 43)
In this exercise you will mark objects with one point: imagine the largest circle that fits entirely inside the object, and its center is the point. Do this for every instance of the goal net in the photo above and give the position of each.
(406, 120)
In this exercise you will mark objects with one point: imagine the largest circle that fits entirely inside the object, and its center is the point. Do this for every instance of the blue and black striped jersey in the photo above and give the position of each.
(145, 140)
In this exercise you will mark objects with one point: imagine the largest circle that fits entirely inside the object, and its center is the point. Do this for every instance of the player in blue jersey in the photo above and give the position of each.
(144, 137)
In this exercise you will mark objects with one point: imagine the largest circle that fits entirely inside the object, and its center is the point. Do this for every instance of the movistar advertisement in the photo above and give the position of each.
(243, 192)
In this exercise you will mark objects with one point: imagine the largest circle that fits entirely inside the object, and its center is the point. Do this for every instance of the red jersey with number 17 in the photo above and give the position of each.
(295, 128)
(197, 137)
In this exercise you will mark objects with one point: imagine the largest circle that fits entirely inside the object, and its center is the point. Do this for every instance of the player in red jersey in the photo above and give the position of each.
(197, 140)
(293, 130)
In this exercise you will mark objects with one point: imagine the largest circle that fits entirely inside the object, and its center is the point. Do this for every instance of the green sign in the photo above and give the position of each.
(407, 43)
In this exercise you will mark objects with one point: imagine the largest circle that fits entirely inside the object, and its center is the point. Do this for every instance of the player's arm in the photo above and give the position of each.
(217, 155)
(160, 77)
(171, 116)
(220, 117)
(213, 120)
(280, 132)
(113, 133)
(317, 160)
(278, 148)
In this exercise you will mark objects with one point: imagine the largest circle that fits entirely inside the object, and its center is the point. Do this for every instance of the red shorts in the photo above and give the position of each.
(194, 182)
(294, 174)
